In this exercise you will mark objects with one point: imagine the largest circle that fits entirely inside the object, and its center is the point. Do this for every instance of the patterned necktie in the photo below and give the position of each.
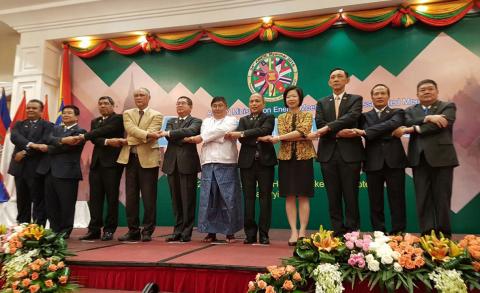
(140, 113)
(337, 106)
(425, 110)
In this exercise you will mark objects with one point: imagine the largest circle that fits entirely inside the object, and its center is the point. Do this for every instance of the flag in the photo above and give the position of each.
(65, 84)
(21, 111)
(45, 115)
(4, 125)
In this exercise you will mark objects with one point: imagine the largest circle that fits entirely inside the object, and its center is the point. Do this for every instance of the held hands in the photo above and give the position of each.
(193, 139)
(349, 133)
(20, 155)
(233, 135)
(72, 140)
(39, 147)
(439, 120)
(400, 131)
(116, 142)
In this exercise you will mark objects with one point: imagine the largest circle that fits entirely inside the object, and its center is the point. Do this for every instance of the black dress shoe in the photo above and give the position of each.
(264, 241)
(107, 236)
(249, 241)
(130, 237)
(90, 236)
(185, 239)
(146, 237)
(173, 238)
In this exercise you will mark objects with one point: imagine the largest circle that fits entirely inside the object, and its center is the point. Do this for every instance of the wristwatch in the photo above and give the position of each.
(242, 134)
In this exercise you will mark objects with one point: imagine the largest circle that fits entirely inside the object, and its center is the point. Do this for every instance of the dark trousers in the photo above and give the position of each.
(60, 199)
(263, 175)
(140, 180)
(433, 189)
(104, 184)
(341, 182)
(395, 181)
(183, 190)
(30, 190)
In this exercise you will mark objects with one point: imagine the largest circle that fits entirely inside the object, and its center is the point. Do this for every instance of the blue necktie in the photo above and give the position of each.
(425, 110)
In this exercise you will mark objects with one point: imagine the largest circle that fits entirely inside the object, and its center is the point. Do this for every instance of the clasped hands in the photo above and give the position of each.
(439, 120)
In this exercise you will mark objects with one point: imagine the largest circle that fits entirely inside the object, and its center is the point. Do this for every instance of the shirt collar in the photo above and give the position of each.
(340, 95)
(70, 127)
(381, 110)
(183, 118)
(144, 110)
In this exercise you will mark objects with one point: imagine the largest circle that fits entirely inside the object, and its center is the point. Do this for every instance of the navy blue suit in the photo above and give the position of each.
(28, 183)
(385, 163)
(62, 169)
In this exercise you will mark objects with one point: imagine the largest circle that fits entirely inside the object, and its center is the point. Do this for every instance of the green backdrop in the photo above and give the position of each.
(222, 71)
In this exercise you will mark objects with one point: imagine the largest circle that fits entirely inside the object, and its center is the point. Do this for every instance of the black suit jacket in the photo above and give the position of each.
(436, 143)
(100, 129)
(351, 149)
(183, 155)
(252, 129)
(62, 160)
(380, 146)
(22, 133)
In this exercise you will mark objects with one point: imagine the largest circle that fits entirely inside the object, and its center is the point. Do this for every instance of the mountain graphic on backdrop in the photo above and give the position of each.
(457, 74)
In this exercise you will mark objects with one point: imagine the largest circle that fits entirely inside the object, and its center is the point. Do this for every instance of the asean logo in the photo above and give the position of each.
(270, 74)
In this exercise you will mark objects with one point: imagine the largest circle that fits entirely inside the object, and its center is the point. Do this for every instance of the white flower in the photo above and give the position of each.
(328, 279)
(387, 259)
(396, 255)
(373, 265)
(397, 267)
(369, 258)
(378, 234)
(448, 281)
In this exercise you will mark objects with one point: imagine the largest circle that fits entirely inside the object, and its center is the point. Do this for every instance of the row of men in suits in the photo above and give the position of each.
(431, 154)
(340, 126)
(46, 170)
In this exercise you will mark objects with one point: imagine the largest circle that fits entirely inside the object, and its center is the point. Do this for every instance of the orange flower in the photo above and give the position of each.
(251, 286)
(288, 285)
(15, 285)
(262, 284)
(297, 277)
(61, 265)
(17, 291)
(270, 289)
(290, 269)
(34, 276)
(26, 282)
(49, 283)
(476, 266)
(278, 273)
(34, 288)
(52, 267)
(271, 268)
(34, 267)
(63, 280)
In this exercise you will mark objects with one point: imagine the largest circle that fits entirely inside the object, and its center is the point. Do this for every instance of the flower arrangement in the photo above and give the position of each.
(328, 278)
(320, 247)
(448, 281)
(33, 260)
(472, 244)
(278, 279)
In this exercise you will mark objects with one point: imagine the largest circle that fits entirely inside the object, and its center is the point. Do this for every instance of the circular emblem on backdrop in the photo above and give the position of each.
(270, 74)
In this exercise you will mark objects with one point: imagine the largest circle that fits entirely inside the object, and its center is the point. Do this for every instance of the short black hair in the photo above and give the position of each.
(73, 107)
(425, 81)
(293, 88)
(339, 68)
(377, 85)
(219, 99)
(110, 100)
(38, 102)
(189, 101)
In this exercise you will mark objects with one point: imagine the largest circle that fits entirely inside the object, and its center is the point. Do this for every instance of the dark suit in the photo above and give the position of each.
(432, 156)
(182, 164)
(105, 173)
(256, 162)
(28, 183)
(385, 162)
(62, 169)
(340, 159)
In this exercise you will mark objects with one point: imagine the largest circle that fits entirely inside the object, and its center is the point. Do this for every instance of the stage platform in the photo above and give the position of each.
(176, 267)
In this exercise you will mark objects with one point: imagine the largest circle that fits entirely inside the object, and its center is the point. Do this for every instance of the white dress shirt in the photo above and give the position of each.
(215, 148)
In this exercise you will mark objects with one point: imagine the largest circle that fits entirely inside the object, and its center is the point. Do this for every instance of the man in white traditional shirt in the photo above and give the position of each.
(220, 209)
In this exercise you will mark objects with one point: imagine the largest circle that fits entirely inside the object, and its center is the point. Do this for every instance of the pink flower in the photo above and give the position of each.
(359, 243)
(366, 245)
(361, 263)
(349, 244)
(352, 261)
